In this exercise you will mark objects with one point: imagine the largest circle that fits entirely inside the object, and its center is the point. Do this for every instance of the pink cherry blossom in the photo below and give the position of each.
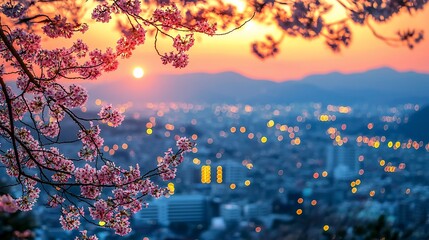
(111, 116)
(8, 204)
(85, 236)
(55, 200)
(184, 144)
(45, 94)
(102, 13)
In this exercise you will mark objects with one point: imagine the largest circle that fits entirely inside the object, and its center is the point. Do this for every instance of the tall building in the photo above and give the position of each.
(227, 172)
(230, 212)
(176, 209)
(234, 173)
(342, 161)
(255, 210)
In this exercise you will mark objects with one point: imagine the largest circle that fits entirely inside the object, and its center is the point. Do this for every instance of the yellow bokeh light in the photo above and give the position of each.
(270, 123)
(299, 211)
(149, 131)
(206, 174)
(297, 141)
(233, 129)
(382, 162)
(264, 139)
(171, 188)
(358, 182)
(397, 144)
(101, 223)
(377, 144)
(247, 182)
(219, 174)
(232, 186)
(242, 129)
(354, 190)
(326, 228)
(196, 161)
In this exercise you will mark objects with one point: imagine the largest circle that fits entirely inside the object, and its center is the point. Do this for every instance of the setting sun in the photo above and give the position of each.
(138, 72)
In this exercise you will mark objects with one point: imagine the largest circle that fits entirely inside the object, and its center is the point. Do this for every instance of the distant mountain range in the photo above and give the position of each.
(383, 85)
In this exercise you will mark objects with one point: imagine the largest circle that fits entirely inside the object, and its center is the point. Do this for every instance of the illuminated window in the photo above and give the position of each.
(206, 174)
(219, 174)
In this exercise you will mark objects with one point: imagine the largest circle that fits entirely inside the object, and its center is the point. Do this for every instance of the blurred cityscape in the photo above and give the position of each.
(298, 171)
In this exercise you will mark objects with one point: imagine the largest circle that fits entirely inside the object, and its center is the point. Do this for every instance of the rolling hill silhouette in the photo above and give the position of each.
(381, 86)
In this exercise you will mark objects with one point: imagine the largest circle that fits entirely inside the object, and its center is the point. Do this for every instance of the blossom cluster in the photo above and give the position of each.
(170, 18)
(84, 236)
(8, 204)
(311, 19)
(41, 102)
(70, 217)
(91, 141)
(167, 167)
(111, 116)
(164, 19)
(59, 27)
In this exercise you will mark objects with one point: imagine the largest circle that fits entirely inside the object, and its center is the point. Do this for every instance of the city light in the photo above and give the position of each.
(326, 228)
(219, 174)
(247, 183)
(206, 174)
(171, 188)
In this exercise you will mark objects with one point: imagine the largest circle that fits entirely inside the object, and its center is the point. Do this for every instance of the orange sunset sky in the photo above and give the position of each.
(298, 57)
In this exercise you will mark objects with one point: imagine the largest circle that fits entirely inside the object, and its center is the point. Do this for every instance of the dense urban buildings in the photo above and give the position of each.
(298, 171)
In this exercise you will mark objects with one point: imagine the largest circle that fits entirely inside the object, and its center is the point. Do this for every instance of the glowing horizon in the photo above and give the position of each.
(298, 57)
